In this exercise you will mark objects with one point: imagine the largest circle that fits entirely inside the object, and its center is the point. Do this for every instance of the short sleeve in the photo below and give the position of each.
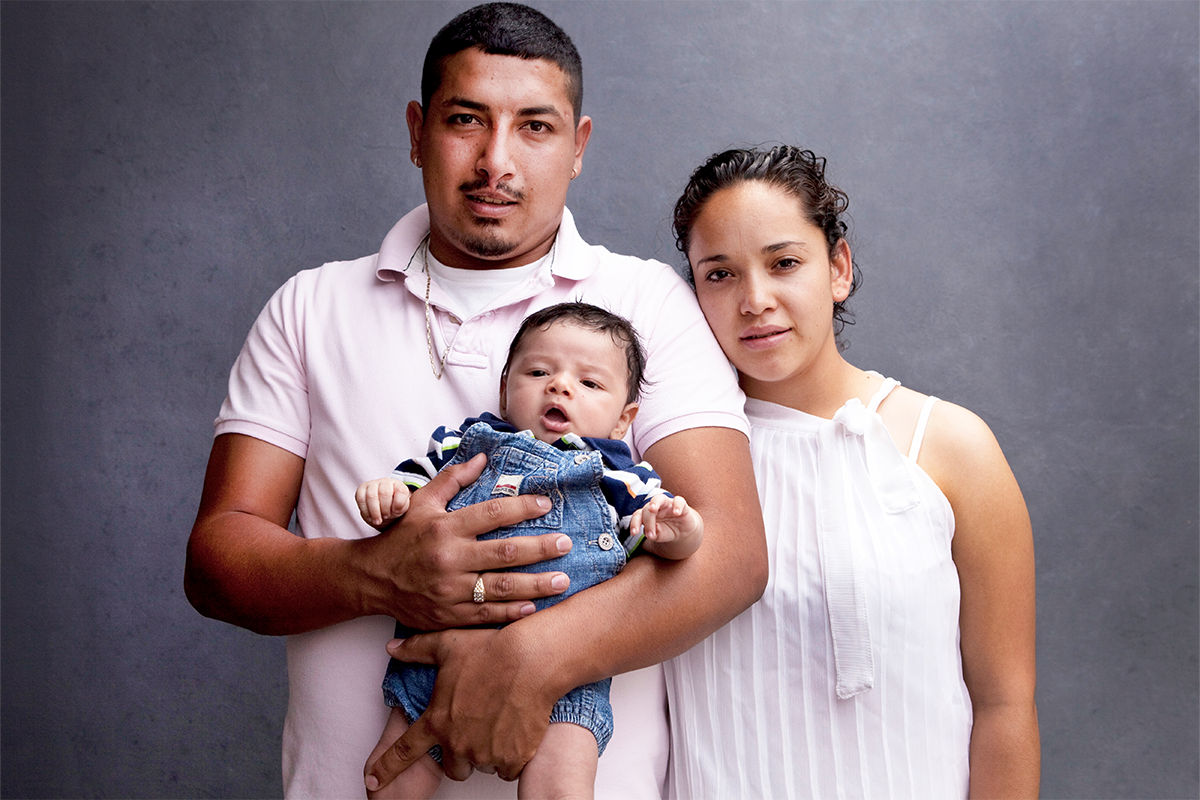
(268, 387)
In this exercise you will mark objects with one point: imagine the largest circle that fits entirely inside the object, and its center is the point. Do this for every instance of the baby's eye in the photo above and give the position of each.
(538, 373)
(591, 384)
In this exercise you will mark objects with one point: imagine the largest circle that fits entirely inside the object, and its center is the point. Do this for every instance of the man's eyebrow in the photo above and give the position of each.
(539, 111)
(474, 105)
(528, 111)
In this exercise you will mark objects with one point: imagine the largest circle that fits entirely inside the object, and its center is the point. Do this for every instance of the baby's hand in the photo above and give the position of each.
(673, 529)
(382, 500)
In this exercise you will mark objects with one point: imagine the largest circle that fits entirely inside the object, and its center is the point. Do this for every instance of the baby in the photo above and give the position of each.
(568, 393)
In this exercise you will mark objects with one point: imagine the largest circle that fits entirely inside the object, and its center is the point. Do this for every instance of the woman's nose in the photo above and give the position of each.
(756, 296)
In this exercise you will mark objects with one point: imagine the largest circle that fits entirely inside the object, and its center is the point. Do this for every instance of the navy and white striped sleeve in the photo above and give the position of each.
(627, 490)
(416, 472)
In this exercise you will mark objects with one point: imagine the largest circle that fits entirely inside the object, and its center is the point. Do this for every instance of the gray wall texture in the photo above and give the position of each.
(1024, 188)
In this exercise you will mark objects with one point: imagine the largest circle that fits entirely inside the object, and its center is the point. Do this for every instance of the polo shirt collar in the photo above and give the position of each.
(573, 257)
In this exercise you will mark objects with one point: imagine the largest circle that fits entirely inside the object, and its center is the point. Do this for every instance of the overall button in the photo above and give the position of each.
(581, 458)
(605, 541)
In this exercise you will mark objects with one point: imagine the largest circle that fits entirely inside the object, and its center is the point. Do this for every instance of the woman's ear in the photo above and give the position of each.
(841, 266)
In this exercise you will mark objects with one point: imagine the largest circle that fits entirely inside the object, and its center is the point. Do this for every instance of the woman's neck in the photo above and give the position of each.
(821, 390)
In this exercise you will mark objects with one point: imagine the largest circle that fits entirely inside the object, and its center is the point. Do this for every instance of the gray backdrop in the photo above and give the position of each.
(1024, 186)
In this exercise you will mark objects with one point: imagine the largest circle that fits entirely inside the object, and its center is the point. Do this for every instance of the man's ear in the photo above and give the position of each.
(623, 423)
(415, 118)
(583, 132)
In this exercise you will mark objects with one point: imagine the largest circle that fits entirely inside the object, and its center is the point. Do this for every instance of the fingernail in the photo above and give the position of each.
(528, 609)
(543, 503)
(394, 645)
(563, 544)
(372, 783)
(560, 582)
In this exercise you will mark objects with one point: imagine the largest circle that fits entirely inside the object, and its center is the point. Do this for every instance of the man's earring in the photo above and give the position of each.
(416, 159)
(574, 173)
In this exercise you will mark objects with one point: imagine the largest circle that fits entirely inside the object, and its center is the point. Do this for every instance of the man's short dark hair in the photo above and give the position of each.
(504, 29)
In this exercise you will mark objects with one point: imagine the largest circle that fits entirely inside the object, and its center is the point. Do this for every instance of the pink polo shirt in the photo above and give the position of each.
(337, 370)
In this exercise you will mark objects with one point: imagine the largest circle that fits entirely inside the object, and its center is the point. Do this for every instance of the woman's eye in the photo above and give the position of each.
(717, 275)
(788, 263)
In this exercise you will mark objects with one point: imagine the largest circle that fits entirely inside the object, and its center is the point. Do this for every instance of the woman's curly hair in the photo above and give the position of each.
(801, 173)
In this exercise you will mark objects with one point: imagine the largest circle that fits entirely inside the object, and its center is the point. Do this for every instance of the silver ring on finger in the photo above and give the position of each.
(477, 595)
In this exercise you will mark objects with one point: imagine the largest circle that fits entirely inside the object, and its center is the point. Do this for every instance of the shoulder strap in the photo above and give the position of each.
(919, 433)
(881, 394)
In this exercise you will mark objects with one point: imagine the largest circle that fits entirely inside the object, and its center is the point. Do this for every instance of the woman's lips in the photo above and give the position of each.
(763, 338)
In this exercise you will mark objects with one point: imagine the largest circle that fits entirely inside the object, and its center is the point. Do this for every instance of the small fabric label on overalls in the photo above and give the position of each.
(507, 485)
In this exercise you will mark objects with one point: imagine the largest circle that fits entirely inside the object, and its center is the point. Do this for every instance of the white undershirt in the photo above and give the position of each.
(469, 291)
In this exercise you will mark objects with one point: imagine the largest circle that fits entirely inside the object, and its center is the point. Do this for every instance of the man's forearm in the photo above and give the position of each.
(241, 573)
(243, 565)
(246, 568)
(655, 609)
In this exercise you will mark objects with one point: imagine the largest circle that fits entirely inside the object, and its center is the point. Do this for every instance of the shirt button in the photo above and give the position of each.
(605, 541)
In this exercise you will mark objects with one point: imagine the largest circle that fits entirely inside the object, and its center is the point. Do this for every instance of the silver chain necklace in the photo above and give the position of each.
(439, 365)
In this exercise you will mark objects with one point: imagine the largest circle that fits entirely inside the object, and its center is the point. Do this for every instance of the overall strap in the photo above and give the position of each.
(919, 433)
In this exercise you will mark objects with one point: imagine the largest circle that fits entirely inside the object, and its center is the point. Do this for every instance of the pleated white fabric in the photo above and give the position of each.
(845, 679)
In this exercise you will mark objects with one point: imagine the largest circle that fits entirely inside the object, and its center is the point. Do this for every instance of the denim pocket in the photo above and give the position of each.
(511, 471)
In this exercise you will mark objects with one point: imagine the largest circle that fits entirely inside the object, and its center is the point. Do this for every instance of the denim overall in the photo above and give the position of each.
(521, 464)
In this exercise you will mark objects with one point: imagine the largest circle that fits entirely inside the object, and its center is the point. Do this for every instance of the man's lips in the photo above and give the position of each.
(490, 199)
(487, 201)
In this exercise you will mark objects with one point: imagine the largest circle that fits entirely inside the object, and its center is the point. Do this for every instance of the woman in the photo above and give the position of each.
(892, 654)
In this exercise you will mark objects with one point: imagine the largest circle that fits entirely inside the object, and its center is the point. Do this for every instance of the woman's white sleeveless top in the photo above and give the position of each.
(845, 679)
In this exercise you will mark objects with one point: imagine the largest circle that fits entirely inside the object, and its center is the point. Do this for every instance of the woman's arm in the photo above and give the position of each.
(993, 551)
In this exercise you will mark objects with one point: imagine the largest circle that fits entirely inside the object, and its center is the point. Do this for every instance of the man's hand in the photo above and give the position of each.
(428, 562)
(474, 724)
(244, 567)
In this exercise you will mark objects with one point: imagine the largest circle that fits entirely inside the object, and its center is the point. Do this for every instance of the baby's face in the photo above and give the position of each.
(568, 379)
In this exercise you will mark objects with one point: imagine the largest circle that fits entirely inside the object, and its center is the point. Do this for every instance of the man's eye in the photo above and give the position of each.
(537, 126)
(462, 119)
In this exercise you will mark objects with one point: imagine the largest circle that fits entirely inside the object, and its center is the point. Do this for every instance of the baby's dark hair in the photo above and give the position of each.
(594, 318)
(800, 173)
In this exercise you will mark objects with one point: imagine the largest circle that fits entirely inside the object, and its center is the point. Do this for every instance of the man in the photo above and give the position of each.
(415, 337)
